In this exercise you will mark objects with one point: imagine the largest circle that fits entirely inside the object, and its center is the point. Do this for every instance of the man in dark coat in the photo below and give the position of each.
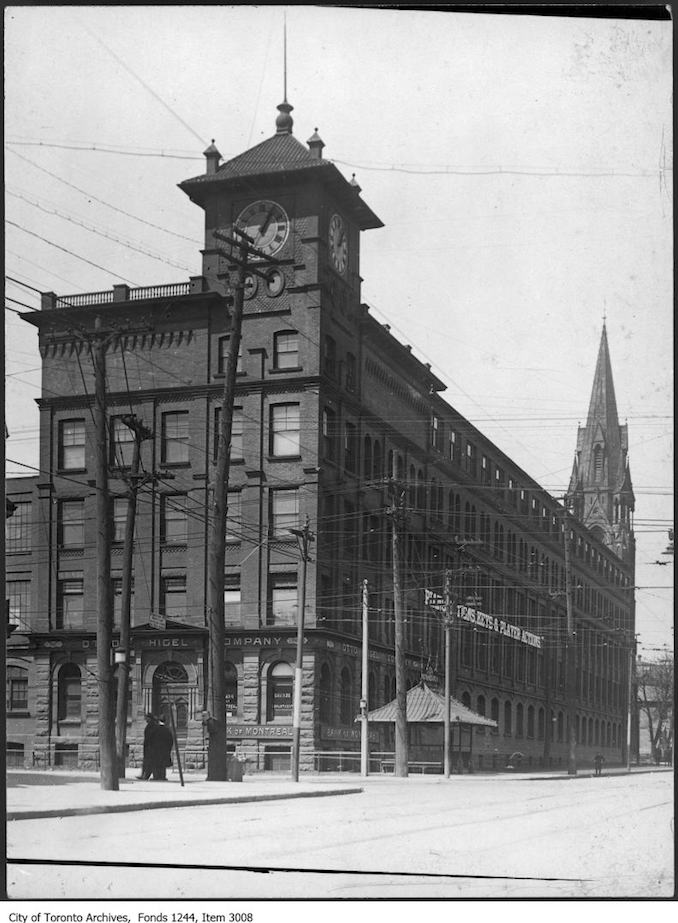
(147, 764)
(161, 748)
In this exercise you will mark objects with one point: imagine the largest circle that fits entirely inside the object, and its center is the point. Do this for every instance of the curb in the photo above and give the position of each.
(154, 805)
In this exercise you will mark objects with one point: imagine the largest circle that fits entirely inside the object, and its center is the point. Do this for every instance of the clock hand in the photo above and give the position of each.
(264, 226)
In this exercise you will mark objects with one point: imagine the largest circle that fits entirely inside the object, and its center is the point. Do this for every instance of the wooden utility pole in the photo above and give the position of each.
(217, 767)
(123, 654)
(396, 514)
(106, 704)
(364, 689)
(304, 538)
(448, 670)
(570, 651)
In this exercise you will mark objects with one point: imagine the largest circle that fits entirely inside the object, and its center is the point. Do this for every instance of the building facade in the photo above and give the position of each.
(335, 423)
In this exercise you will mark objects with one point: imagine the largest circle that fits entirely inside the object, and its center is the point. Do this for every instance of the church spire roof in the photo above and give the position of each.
(603, 404)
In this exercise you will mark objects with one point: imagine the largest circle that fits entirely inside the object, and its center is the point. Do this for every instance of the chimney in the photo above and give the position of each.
(212, 156)
(316, 145)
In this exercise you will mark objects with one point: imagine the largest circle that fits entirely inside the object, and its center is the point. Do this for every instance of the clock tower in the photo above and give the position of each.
(298, 209)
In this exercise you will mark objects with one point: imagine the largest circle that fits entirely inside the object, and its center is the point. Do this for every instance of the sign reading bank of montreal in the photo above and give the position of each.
(482, 620)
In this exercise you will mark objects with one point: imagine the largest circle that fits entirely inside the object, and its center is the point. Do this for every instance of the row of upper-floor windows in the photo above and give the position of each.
(73, 611)
(175, 444)
(285, 352)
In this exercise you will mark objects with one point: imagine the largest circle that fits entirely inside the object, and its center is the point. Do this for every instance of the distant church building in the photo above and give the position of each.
(330, 409)
(600, 492)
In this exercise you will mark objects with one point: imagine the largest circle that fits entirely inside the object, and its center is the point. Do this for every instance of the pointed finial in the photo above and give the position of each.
(316, 145)
(284, 122)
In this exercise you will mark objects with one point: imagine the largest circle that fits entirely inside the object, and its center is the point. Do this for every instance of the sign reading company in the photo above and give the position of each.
(259, 730)
(482, 620)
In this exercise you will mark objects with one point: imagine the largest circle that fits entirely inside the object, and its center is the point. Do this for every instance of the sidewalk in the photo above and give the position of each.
(67, 799)
(81, 793)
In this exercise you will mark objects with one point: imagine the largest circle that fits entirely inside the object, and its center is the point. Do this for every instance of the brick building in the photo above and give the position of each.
(329, 406)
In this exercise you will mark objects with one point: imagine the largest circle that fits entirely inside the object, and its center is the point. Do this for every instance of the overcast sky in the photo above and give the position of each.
(522, 167)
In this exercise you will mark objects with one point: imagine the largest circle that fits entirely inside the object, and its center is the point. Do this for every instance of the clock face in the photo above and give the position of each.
(338, 243)
(266, 223)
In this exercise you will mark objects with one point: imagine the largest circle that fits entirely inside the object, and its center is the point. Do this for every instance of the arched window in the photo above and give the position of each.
(590, 737)
(508, 719)
(480, 707)
(231, 689)
(421, 492)
(279, 691)
(561, 726)
(494, 713)
(530, 721)
(325, 694)
(346, 705)
(377, 469)
(466, 699)
(387, 689)
(596, 733)
(367, 457)
(69, 693)
(540, 724)
(519, 719)
(598, 463)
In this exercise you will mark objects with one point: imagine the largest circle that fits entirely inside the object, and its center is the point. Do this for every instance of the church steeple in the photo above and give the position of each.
(600, 491)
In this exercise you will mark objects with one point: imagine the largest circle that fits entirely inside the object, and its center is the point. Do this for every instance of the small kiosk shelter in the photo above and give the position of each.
(425, 717)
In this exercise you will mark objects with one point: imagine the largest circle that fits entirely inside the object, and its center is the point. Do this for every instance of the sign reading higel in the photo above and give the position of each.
(259, 730)
(482, 620)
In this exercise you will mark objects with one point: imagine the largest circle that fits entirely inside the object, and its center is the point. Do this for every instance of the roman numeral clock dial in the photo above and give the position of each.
(338, 243)
(266, 223)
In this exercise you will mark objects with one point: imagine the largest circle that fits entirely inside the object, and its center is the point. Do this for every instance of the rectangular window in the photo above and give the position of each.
(329, 431)
(499, 482)
(223, 347)
(19, 603)
(484, 470)
(18, 528)
(350, 372)
(286, 350)
(17, 689)
(117, 601)
(285, 430)
(175, 438)
(350, 447)
(284, 512)
(173, 598)
(119, 518)
(437, 433)
(174, 520)
(236, 433)
(282, 599)
(471, 459)
(234, 516)
(329, 356)
(71, 524)
(232, 600)
(121, 444)
(70, 604)
(72, 445)
(455, 446)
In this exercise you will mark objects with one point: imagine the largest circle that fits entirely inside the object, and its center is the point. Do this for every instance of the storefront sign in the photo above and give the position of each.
(260, 640)
(377, 656)
(259, 730)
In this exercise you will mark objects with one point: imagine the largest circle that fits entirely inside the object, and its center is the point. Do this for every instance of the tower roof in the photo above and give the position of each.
(281, 157)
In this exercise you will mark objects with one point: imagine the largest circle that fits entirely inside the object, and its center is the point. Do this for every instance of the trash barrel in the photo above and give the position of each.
(234, 769)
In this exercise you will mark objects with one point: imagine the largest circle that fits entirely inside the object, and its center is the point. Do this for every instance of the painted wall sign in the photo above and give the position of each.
(482, 620)
(333, 733)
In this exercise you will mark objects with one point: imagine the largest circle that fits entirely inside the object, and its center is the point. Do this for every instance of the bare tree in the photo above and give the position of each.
(655, 700)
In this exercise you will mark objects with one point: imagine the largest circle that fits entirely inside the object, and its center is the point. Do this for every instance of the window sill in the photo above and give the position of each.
(71, 470)
(283, 458)
(179, 464)
(292, 368)
(223, 374)
(18, 714)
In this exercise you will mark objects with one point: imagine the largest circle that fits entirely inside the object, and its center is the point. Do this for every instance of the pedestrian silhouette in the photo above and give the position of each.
(598, 761)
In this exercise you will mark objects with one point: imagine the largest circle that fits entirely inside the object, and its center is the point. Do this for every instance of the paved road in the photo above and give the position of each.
(468, 837)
